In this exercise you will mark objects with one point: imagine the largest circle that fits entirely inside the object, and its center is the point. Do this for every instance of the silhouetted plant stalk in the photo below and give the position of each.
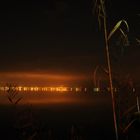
(110, 75)
(12, 94)
(101, 13)
(135, 117)
(138, 106)
(95, 79)
(138, 41)
(94, 76)
(25, 124)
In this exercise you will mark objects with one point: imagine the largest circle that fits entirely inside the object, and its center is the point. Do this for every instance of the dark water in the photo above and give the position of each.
(60, 117)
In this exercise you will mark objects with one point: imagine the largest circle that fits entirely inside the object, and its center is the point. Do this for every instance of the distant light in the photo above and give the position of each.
(77, 89)
(96, 89)
(36, 88)
(31, 88)
(19, 88)
(134, 90)
(25, 88)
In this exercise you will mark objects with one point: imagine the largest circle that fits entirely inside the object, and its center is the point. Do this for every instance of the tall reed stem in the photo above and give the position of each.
(138, 106)
(110, 76)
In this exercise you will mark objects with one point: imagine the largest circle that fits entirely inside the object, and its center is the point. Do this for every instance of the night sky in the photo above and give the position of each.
(61, 37)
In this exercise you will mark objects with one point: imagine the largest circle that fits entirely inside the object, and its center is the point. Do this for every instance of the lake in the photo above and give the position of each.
(64, 116)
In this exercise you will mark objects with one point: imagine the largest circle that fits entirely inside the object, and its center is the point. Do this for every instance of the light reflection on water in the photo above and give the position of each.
(43, 98)
(60, 111)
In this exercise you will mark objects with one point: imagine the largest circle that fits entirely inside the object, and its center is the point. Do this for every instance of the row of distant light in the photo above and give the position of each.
(52, 89)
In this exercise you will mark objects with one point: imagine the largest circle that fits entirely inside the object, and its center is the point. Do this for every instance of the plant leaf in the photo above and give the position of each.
(105, 70)
(128, 110)
(138, 41)
(116, 27)
(99, 16)
(128, 126)
(95, 7)
(32, 136)
(102, 7)
(125, 38)
(122, 32)
(94, 76)
(10, 99)
(18, 100)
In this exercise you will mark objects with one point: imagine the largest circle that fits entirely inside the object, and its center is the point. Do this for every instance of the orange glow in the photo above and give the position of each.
(36, 82)
(77, 89)
(45, 89)
(25, 88)
(19, 88)
(40, 79)
(32, 89)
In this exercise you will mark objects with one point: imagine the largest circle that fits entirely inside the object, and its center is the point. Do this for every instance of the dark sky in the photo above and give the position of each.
(59, 36)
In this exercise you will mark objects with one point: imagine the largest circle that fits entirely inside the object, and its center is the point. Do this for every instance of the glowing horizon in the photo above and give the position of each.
(42, 89)
(40, 79)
